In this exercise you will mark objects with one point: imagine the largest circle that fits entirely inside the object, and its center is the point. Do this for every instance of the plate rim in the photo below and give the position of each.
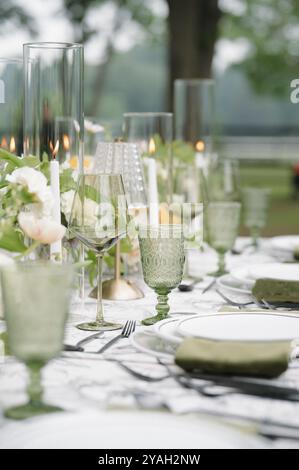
(240, 314)
(145, 350)
(236, 289)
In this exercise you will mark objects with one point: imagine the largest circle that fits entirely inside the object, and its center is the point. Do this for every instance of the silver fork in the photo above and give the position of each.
(231, 302)
(127, 330)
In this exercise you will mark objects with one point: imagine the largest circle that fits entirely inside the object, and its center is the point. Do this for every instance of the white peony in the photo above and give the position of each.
(66, 201)
(43, 230)
(35, 181)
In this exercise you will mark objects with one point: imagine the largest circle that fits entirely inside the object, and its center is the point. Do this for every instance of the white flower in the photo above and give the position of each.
(66, 201)
(35, 181)
(43, 230)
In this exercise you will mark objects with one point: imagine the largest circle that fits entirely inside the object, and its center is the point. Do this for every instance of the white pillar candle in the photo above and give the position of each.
(55, 248)
(153, 196)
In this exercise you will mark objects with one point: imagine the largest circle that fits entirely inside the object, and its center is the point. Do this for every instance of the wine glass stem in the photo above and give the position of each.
(34, 389)
(221, 262)
(162, 306)
(100, 315)
(255, 236)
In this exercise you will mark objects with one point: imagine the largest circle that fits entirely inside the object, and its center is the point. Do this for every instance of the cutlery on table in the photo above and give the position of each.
(184, 287)
(127, 330)
(209, 286)
(78, 347)
(232, 302)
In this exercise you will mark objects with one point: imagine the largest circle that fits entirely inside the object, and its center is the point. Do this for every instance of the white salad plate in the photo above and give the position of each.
(233, 285)
(285, 243)
(283, 271)
(241, 327)
(124, 430)
(152, 344)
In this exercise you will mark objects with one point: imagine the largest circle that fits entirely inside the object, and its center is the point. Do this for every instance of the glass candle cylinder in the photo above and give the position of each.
(153, 132)
(11, 105)
(53, 107)
(194, 116)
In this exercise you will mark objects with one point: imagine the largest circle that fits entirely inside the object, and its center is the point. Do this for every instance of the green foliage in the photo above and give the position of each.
(10, 238)
(270, 28)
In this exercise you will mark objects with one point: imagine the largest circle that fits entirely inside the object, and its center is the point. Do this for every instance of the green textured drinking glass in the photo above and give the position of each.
(162, 258)
(255, 211)
(35, 298)
(223, 220)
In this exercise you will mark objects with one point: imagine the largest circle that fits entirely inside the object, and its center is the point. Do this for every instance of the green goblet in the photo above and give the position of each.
(255, 211)
(36, 298)
(223, 220)
(162, 258)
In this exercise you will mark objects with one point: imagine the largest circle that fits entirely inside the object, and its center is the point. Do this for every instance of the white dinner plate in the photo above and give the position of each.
(250, 273)
(150, 343)
(285, 243)
(241, 327)
(231, 284)
(123, 430)
(166, 330)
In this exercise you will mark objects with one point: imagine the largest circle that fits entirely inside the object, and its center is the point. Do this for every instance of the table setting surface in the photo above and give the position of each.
(107, 406)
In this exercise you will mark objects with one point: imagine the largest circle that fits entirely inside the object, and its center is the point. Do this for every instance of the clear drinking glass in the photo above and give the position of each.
(162, 258)
(153, 133)
(99, 219)
(53, 108)
(223, 220)
(255, 210)
(36, 298)
(11, 105)
(223, 180)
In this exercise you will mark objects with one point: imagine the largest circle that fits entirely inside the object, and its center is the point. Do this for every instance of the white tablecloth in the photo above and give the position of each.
(108, 408)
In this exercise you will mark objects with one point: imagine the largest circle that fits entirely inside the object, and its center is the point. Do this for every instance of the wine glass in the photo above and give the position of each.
(35, 297)
(162, 258)
(222, 225)
(99, 219)
(223, 180)
(255, 211)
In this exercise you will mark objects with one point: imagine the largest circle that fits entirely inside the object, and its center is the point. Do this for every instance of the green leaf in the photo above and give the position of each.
(67, 181)
(17, 162)
(11, 239)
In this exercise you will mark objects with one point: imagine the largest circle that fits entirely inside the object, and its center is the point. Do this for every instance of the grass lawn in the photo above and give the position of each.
(284, 210)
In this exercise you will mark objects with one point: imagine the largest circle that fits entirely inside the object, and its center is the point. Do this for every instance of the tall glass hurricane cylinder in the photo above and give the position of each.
(194, 115)
(153, 132)
(53, 108)
(11, 105)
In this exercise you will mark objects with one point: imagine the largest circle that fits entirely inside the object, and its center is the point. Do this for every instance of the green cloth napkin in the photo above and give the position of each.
(276, 290)
(266, 359)
(3, 338)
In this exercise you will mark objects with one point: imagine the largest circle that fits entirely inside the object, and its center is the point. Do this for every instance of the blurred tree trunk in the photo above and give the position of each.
(193, 31)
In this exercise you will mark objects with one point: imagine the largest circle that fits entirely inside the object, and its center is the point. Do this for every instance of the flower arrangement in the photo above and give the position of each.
(26, 202)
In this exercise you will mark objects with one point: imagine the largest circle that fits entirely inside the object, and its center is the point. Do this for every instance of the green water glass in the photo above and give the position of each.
(223, 219)
(162, 258)
(255, 211)
(36, 298)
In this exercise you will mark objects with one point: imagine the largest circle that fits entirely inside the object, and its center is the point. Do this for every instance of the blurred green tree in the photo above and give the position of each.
(11, 13)
(125, 13)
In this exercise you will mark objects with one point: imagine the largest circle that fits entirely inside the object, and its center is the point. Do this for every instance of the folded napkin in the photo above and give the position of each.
(276, 290)
(266, 359)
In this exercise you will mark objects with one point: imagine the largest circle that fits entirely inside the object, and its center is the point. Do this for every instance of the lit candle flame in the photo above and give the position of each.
(4, 144)
(55, 149)
(12, 145)
(151, 146)
(66, 142)
(200, 146)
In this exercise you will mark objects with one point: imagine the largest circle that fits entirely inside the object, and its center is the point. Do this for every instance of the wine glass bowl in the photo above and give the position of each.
(162, 258)
(255, 210)
(35, 297)
(99, 219)
(222, 226)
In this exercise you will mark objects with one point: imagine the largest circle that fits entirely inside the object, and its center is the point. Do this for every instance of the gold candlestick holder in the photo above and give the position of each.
(118, 288)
